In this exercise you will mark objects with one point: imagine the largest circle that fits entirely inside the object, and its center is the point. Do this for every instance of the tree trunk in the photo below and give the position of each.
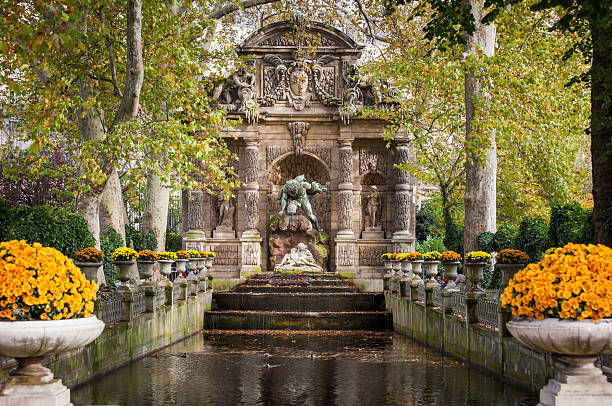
(112, 209)
(90, 128)
(155, 216)
(601, 129)
(480, 168)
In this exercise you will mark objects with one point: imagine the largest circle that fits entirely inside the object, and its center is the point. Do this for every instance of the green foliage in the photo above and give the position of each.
(504, 238)
(570, 223)
(426, 223)
(109, 242)
(430, 244)
(174, 241)
(485, 241)
(51, 226)
(453, 237)
(492, 277)
(532, 237)
(139, 240)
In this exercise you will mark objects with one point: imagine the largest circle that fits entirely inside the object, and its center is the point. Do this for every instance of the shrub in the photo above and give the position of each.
(450, 256)
(50, 226)
(492, 277)
(147, 255)
(485, 241)
(426, 223)
(477, 256)
(532, 237)
(39, 283)
(167, 256)
(569, 223)
(140, 240)
(511, 257)
(174, 241)
(574, 282)
(504, 238)
(431, 244)
(89, 254)
(453, 236)
(109, 242)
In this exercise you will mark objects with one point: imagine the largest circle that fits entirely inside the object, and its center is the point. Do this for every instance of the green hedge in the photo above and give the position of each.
(109, 242)
(570, 223)
(532, 237)
(174, 241)
(51, 226)
(139, 240)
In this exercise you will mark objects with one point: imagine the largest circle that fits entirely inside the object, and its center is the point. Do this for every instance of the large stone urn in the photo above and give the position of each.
(165, 267)
(123, 273)
(29, 342)
(577, 342)
(450, 273)
(432, 272)
(90, 269)
(475, 274)
(146, 268)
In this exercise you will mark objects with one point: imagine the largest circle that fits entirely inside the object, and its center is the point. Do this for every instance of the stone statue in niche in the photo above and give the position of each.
(299, 258)
(373, 204)
(298, 131)
(226, 215)
(295, 193)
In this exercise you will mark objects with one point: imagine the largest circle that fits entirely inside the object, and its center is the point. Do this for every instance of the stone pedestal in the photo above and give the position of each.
(287, 231)
(346, 260)
(251, 254)
(194, 239)
(53, 393)
(150, 292)
(590, 389)
(224, 234)
(373, 235)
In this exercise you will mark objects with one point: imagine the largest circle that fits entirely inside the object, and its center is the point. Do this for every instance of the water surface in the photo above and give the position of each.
(285, 368)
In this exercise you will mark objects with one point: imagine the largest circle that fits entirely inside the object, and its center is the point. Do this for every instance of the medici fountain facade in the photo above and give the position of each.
(300, 116)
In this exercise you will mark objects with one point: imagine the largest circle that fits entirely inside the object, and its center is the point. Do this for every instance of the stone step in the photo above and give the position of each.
(279, 275)
(293, 302)
(265, 320)
(299, 282)
(295, 289)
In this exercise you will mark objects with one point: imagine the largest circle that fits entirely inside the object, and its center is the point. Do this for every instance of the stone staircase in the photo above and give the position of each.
(271, 301)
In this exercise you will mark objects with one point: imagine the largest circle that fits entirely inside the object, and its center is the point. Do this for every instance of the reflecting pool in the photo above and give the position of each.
(285, 368)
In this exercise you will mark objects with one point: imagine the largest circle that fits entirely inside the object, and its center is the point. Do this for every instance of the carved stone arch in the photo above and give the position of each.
(280, 35)
(288, 166)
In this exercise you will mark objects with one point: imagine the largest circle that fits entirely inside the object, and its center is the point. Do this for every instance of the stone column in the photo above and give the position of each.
(404, 202)
(194, 238)
(345, 238)
(251, 239)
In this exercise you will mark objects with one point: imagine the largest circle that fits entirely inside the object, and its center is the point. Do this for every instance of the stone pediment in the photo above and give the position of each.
(283, 35)
(296, 66)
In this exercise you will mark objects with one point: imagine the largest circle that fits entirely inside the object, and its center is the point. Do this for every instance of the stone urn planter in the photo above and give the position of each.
(123, 272)
(450, 273)
(181, 267)
(431, 272)
(29, 342)
(90, 269)
(165, 267)
(416, 268)
(146, 268)
(475, 273)
(577, 342)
